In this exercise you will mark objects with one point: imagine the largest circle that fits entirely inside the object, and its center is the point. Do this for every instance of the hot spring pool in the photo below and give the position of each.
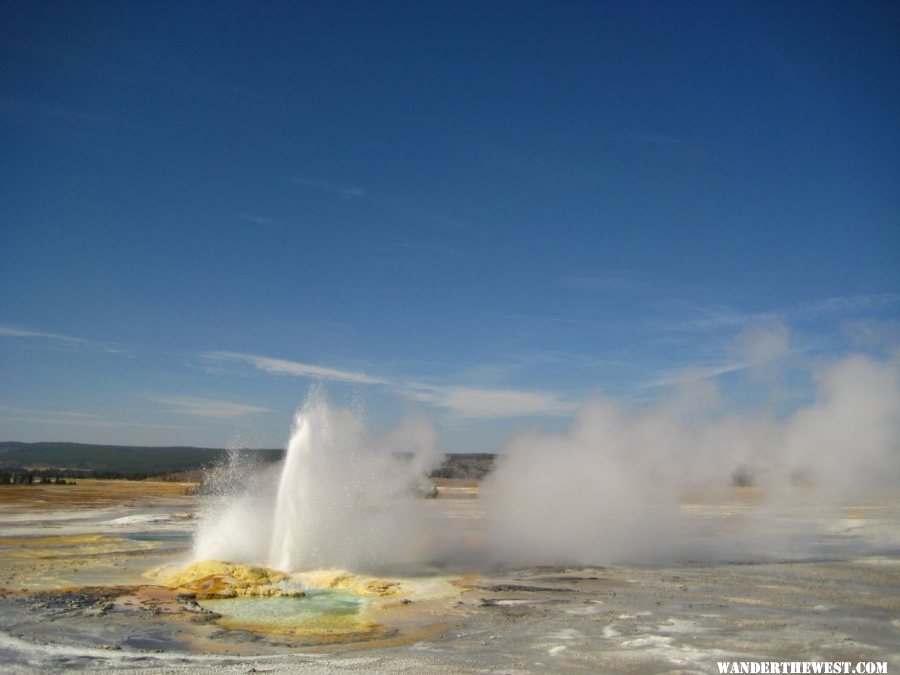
(318, 610)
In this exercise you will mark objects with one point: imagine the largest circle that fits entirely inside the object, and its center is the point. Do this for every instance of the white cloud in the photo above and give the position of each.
(476, 403)
(207, 407)
(295, 368)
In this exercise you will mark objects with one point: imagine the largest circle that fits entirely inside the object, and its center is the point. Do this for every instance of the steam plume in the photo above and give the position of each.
(610, 489)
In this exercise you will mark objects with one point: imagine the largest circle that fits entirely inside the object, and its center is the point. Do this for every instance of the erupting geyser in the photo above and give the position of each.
(341, 499)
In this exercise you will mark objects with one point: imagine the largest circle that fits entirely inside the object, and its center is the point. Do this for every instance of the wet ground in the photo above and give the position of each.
(73, 564)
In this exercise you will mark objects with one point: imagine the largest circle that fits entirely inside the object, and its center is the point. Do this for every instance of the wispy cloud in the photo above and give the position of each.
(756, 347)
(24, 112)
(295, 368)
(690, 374)
(60, 340)
(700, 317)
(461, 402)
(69, 414)
(253, 218)
(695, 317)
(75, 419)
(401, 206)
(11, 331)
(476, 403)
(607, 282)
(874, 334)
(659, 140)
(207, 407)
(847, 304)
(349, 191)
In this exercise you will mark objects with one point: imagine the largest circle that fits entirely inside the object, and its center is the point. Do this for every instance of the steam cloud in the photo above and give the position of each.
(611, 489)
(614, 488)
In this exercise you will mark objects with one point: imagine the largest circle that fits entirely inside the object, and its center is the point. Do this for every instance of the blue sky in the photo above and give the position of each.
(487, 211)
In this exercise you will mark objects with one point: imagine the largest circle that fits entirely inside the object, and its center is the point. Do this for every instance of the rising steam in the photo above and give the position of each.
(615, 488)
(612, 489)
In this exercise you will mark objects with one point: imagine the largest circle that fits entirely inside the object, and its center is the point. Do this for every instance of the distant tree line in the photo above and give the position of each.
(23, 477)
(80, 460)
(63, 462)
(472, 466)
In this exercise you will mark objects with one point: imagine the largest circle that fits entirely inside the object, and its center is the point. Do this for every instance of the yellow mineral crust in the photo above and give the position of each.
(210, 579)
(346, 581)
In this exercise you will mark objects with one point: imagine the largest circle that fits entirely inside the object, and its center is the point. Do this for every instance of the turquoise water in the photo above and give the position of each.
(287, 612)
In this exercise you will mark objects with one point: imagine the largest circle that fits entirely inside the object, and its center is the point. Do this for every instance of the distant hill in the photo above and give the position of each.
(114, 459)
(133, 461)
